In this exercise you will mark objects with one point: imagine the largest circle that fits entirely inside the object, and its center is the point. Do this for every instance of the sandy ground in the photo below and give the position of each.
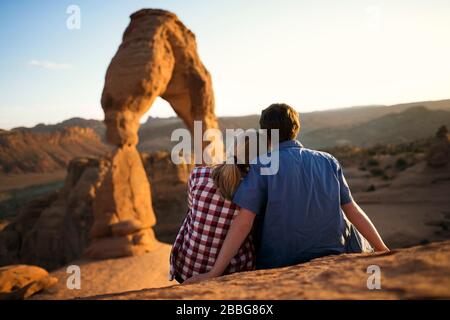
(18, 181)
(403, 225)
(416, 273)
(114, 275)
(413, 208)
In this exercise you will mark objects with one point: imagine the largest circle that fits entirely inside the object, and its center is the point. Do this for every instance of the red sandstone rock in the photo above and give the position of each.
(22, 281)
(158, 57)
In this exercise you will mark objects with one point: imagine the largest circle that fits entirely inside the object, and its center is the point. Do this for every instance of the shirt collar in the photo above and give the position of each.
(290, 144)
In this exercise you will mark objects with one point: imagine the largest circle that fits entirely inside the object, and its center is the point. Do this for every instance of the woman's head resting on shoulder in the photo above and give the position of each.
(228, 175)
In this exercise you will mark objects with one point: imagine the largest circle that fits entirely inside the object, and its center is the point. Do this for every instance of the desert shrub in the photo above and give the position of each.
(372, 162)
(393, 152)
(377, 172)
(401, 164)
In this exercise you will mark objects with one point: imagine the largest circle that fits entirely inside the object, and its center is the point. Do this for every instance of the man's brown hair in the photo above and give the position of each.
(282, 117)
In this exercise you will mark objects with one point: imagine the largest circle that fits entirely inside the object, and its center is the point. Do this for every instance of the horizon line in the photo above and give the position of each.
(238, 116)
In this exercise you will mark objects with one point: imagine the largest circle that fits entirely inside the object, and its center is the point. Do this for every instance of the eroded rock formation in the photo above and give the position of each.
(54, 230)
(169, 192)
(157, 57)
(22, 281)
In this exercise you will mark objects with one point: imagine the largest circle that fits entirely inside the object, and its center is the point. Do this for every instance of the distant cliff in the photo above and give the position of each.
(44, 151)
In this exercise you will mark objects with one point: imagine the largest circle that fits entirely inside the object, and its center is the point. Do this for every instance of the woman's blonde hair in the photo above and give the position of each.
(228, 175)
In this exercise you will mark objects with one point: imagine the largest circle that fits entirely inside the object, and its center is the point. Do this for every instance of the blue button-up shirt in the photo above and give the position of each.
(298, 209)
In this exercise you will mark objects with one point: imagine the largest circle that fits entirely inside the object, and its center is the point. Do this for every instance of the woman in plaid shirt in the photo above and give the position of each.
(208, 219)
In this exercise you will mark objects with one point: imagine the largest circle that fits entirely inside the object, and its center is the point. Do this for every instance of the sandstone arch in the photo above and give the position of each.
(157, 57)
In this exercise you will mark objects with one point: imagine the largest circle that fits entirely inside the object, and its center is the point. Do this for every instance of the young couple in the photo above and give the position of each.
(240, 219)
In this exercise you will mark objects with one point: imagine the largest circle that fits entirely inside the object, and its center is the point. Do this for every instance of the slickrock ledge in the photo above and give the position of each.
(421, 272)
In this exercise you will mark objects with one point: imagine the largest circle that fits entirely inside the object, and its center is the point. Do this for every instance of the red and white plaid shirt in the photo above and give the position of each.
(204, 229)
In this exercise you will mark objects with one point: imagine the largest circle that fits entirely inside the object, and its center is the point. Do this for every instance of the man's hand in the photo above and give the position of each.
(199, 277)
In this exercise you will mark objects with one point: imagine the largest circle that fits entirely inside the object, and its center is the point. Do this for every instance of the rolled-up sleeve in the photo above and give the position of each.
(252, 192)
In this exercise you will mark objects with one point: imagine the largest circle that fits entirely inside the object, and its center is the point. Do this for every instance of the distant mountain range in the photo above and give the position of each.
(49, 147)
(412, 124)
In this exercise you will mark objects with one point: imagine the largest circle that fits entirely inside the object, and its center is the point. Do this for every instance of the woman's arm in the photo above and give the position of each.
(361, 221)
(238, 232)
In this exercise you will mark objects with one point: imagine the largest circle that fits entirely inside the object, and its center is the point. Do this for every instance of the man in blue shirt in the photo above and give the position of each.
(305, 210)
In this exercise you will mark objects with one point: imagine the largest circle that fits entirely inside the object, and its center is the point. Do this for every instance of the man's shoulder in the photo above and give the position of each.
(262, 160)
(319, 154)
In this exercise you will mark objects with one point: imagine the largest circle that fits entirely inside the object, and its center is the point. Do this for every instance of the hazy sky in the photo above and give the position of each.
(311, 54)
